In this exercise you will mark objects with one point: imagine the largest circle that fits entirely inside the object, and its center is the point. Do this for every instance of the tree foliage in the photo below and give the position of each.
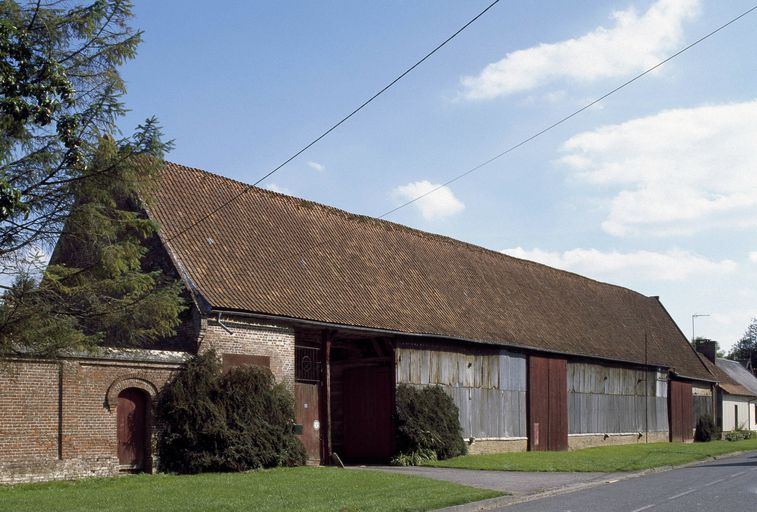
(65, 179)
(746, 348)
(235, 421)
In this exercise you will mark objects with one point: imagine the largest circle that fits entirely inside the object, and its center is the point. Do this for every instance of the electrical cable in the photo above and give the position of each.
(335, 126)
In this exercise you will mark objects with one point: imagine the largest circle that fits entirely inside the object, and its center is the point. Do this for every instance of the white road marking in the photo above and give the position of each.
(682, 494)
(643, 508)
(714, 482)
(738, 474)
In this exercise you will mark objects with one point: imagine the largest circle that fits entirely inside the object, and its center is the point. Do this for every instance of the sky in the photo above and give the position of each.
(654, 188)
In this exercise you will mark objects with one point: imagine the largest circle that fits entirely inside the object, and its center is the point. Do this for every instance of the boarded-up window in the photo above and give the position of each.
(233, 360)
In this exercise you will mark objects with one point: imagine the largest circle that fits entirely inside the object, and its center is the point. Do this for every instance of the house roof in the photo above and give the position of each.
(268, 253)
(724, 380)
(742, 377)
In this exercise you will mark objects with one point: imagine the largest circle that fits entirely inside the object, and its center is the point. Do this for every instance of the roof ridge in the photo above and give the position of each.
(414, 231)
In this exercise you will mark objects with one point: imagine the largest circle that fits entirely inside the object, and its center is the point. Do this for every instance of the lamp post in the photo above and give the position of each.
(693, 317)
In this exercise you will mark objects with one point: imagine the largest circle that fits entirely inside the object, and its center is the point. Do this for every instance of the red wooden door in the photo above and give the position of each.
(680, 411)
(368, 430)
(306, 400)
(132, 429)
(547, 403)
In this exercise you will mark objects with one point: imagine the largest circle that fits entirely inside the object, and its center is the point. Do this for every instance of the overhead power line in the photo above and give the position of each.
(569, 116)
(529, 138)
(335, 126)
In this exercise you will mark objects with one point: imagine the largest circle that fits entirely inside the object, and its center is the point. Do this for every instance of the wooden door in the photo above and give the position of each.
(368, 429)
(132, 428)
(306, 400)
(680, 405)
(547, 403)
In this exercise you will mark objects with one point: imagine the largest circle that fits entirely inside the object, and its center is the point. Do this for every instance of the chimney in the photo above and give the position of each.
(708, 348)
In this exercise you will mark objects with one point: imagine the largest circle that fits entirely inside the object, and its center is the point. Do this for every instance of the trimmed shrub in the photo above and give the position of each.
(427, 422)
(705, 430)
(234, 421)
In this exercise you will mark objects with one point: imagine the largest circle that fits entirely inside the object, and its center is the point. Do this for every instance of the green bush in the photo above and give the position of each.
(706, 430)
(414, 459)
(739, 434)
(427, 422)
(234, 421)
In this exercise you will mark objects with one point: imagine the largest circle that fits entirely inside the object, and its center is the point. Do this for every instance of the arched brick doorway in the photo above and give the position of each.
(132, 429)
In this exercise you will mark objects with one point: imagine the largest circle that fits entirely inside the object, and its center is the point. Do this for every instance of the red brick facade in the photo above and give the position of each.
(252, 338)
(58, 418)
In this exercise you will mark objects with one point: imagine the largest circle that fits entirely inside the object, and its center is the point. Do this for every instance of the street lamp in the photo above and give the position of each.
(695, 315)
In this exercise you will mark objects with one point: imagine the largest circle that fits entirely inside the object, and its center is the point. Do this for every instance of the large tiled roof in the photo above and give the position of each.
(272, 254)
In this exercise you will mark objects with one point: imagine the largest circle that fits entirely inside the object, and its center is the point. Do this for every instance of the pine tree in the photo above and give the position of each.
(63, 176)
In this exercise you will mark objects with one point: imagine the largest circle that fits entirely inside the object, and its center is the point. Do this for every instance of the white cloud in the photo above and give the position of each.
(672, 265)
(673, 173)
(437, 205)
(276, 188)
(753, 256)
(315, 165)
(632, 44)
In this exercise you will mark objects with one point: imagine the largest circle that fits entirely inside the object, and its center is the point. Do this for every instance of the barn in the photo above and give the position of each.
(342, 308)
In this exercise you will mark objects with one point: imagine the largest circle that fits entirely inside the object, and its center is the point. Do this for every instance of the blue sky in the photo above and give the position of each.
(655, 188)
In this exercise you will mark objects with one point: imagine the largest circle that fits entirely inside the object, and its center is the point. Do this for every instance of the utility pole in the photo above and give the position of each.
(646, 389)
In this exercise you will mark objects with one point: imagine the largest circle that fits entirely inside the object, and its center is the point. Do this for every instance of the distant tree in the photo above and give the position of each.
(746, 348)
(63, 174)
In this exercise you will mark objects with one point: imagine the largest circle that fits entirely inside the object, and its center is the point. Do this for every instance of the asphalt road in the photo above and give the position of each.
(717, 486)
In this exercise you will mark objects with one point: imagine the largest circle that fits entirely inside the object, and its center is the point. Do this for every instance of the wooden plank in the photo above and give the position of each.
(425, 364)
(538, 403)
(307, 414)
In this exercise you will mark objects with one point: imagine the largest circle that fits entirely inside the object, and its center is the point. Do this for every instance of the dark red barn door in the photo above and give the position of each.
(368, 413)
(547, 403)
(132, 428)
(680, 405)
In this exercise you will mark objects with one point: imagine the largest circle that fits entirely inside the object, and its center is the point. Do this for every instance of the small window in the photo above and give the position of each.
(307, 367)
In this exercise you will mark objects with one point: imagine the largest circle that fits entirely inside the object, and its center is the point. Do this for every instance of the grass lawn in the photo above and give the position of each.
(301, 489)
(605, 458)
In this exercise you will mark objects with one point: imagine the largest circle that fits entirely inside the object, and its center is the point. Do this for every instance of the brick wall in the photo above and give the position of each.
(58, 418)
(29, 411)
(255, 339)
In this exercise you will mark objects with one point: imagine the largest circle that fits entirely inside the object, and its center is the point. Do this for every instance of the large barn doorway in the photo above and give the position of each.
(547, 403)
(368, 413)
(362, 399)
(132, 429)
(680, 407)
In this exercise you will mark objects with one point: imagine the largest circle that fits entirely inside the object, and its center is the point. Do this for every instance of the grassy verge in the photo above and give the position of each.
(605, 458)
(301, 489)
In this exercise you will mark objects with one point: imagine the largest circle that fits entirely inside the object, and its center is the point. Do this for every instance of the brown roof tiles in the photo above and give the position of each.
(273, 254)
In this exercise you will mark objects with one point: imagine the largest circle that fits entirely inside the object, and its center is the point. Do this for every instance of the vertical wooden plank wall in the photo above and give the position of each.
(607, 400)
(489, 388)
